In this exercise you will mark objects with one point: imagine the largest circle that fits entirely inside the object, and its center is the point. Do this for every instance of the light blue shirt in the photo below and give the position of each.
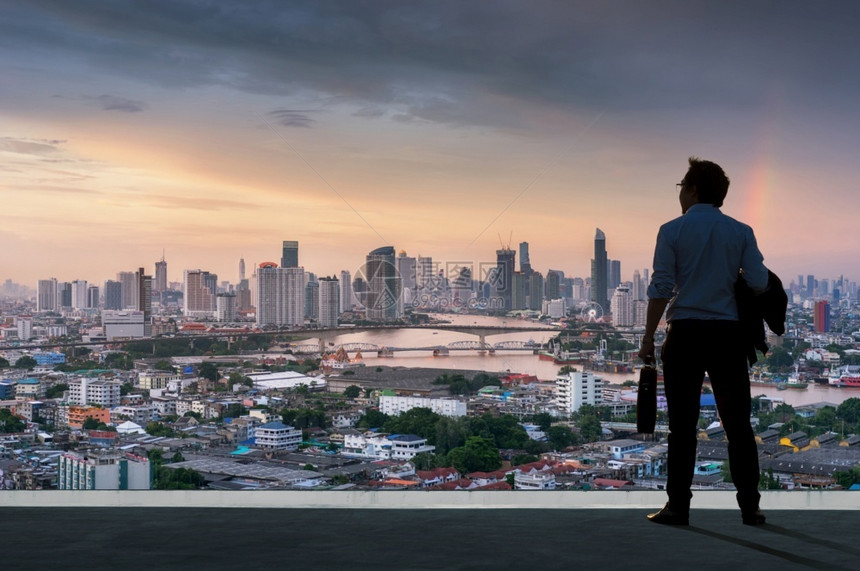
(696, 264)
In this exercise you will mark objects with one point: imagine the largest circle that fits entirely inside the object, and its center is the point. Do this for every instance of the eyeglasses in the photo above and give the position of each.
(680, 186)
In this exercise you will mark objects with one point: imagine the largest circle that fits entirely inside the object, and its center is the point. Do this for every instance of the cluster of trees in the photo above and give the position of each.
(458, 384)
(10, 423)
(472, 443)
(92, 424)
(173, 479)
(843, 419)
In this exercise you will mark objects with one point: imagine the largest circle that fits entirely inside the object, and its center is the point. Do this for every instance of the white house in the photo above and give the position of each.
(277, 436)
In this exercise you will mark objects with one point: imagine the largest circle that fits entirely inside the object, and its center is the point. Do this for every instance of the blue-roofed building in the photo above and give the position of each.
(7, 390)
(277, 436)
(45, 358)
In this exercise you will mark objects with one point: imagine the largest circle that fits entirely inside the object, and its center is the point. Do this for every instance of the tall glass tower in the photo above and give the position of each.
(290, 255)
(599, 281)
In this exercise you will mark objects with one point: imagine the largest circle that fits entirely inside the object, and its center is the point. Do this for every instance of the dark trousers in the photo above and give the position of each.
(692, 348)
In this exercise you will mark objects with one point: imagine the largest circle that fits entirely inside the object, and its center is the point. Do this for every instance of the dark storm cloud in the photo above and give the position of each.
(116, 103)
(464, 62)
(292, 117)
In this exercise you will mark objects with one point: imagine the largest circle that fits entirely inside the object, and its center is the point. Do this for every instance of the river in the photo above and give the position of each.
(522, 361)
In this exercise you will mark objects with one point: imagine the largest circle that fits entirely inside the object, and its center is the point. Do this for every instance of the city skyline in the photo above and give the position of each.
(214, 133)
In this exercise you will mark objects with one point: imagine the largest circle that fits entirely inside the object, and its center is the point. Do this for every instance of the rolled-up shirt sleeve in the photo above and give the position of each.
(752, 263)
(662, 284)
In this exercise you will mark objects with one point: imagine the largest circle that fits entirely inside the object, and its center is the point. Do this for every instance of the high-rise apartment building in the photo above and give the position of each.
(199, 289)
(280, 295)
(599, 281)
(576, 389)
(519, 291)
(503, 279)
(92, 296)
(312, 297)
(424, 278)
(384, 285)
(130, 296)
(810, 286)
(623, 312)
(290, 254)
(345, 291)
(821, 317)
(46, 295)
(64, 295)
(536, 287)
(614, 273)
(113, 295)
(79, 294)
(160, 284)
(225, 307)
(329, 301)
(553, 284)
(407, 268)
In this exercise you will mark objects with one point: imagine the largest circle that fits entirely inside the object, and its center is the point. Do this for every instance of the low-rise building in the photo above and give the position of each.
(277, 436)
(103, 470)
(393, 405)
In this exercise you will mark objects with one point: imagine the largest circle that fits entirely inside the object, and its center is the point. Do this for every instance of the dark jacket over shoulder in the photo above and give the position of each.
(756, 310)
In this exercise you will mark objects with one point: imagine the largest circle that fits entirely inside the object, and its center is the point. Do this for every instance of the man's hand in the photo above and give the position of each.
(646, 353)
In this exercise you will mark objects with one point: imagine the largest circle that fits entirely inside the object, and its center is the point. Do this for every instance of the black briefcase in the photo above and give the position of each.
(646, 401)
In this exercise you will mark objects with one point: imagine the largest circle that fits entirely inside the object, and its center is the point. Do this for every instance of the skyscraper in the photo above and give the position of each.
(384, 285)
(241, 269)
(129, 289)
(525, 263)
(614, 274)
(553, 284)
(599, 282)
(225, 307)
(503, 279)
(821, 317)
(406, 267)
(46, 295)
(345, 291)
(92, 296)
(79, 294)
(199, 293)
(144, 301)
(623, 314)
(329, 301)
(536, 287)
(280, 295)
(312, 297)
(160, 284)
(113, 295)
(290, 255)
(424, 277)
(64, 295)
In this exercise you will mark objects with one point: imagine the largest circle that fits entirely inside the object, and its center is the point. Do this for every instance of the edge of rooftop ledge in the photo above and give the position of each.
(394, 499)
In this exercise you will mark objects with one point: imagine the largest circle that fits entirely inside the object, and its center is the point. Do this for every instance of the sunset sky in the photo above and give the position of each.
(215, 130)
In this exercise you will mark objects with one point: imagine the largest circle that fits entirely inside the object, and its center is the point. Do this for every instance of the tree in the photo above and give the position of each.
(91, 423)
(567, 369)
(3, 363)
(10, 423)
(25, 362)
(56, 391)
(560, 437)
(589, 428)
(478, 454)
(849, 410)
(420, 421)
(163, 365)
(372, 419)
(208, 371)
(177, 457)
(521, 459)
(352, 391)
(779, 358)
(504, 430)
(543, 419)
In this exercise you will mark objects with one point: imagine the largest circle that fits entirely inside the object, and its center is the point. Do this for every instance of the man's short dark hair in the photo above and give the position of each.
(710, 181)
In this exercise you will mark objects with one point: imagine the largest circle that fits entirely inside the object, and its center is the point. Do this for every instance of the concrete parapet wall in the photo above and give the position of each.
(278, 499)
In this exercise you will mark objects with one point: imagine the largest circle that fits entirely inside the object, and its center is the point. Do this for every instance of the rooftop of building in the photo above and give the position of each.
(549, 530)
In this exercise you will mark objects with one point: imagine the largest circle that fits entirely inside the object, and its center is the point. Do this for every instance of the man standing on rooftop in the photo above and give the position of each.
(697, 261)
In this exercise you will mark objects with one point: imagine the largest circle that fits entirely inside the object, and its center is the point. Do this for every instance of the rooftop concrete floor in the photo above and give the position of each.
(412, 538)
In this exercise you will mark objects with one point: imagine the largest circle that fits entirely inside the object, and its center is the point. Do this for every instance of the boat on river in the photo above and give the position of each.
(848, 377)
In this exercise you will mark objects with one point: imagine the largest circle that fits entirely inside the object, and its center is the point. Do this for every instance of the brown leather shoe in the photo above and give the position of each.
(668, 517)
(753, 517)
